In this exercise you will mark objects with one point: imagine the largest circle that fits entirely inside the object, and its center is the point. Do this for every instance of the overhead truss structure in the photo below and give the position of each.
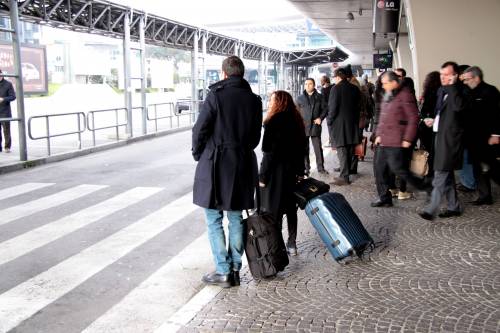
(315, 56)
(106, 18)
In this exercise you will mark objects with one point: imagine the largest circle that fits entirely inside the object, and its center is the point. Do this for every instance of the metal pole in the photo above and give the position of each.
(236, 53)
(204, 54)
(143, 74)
(126, 72)
(242, 50)
(194, 74)
(16, 45)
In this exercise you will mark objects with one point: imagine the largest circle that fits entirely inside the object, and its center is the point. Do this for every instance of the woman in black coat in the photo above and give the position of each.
(283, 147)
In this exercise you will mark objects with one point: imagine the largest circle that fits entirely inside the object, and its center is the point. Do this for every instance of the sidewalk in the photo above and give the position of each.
(440, 276)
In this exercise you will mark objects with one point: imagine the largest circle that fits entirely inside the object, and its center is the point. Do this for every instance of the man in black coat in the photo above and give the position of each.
(482, 124)
(7, 95)
(343, 115)
(448, 127)
(224, 138)
(326, 87)
(312, 105)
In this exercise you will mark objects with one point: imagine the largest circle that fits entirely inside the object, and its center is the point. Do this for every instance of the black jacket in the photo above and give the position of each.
(224, 138)
(8, 94)
(283, 146)
(450, 136)
(482, 119)
(312, 107)
(343, 113)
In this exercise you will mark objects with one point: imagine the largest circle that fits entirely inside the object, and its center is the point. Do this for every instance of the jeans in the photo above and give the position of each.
(467, 173)
(318, 151)
(230, 258)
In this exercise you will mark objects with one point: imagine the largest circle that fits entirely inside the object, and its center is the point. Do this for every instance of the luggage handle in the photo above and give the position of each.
(335, 242)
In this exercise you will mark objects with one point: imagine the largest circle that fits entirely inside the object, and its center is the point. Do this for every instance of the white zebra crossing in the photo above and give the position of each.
(27, 298)
(157, 298)
(15, 247)
(59, 198)
(21, 189)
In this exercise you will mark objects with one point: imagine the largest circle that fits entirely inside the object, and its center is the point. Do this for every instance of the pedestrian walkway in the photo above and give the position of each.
(441, 276)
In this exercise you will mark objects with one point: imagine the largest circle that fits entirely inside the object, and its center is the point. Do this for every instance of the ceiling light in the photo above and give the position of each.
(350, 17)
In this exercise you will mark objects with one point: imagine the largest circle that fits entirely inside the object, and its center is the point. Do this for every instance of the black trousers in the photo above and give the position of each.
(392, 160)
(291, 218)
(5, 126)
(346, 160)
(486, 169)
(318, 151)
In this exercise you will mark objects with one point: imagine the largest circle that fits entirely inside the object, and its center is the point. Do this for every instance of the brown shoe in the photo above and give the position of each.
(340, 181)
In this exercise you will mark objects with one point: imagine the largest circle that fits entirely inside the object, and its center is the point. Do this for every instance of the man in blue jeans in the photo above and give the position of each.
(224, 138)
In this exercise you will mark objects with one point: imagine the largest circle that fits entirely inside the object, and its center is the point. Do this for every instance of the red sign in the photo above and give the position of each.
(33, 67)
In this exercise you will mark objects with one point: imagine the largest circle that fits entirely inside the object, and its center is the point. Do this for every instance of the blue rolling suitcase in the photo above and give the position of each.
(338, 225)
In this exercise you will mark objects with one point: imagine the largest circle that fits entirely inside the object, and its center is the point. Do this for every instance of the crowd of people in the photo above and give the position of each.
(457, 112)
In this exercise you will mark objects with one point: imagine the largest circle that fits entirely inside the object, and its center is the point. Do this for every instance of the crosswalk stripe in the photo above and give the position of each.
(158, 297)
(21, 189)
(24, 300)
(59, 198)
(18, 246)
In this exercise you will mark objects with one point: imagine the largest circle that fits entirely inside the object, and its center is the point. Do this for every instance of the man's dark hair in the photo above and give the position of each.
(462, 68)
(233, 66)
(452, 64)
(391, 76)
(475, 71)
(402, 70)
(311, 79)
(340, 73)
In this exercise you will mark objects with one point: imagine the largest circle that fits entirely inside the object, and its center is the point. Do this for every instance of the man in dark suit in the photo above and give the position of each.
(326, 87)
(7, 95)
(224, 138)
(481, 127)
(312, 105)
(448, 127)
(343, 115)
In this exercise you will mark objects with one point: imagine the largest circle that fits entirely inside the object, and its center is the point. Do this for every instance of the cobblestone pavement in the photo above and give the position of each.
(440, 276)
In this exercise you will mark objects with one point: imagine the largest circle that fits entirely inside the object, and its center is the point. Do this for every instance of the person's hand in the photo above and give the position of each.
(378, 140)
(494, 140)
(405, 144)
(261, 184)
(428, 122)
(317, 121)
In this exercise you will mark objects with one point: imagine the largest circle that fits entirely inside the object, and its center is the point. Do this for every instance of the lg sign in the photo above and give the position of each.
(386, 4)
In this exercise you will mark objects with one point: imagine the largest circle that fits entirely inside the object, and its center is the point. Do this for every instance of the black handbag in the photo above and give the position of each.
(307, 189)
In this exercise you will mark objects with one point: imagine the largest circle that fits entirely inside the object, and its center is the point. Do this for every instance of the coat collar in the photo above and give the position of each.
(232, 81)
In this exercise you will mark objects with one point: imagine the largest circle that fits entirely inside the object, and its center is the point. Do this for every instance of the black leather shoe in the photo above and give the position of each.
(323, 172)
(426, 216)
(449, 213)
(482, 201)
(235, 278)
(340, 181)
(216, 279)
(463, 188)
(380, 203)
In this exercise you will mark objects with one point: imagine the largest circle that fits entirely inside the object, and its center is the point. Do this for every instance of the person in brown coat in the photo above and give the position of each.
(396, 131)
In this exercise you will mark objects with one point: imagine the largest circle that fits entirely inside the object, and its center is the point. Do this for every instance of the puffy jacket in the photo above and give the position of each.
(398, 119)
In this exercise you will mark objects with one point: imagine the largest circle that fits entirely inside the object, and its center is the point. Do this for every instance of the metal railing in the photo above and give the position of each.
(183, 108)
(48, 135)
(91, 122)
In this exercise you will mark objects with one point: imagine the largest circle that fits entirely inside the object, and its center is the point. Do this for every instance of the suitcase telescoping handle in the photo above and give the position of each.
(336, 242)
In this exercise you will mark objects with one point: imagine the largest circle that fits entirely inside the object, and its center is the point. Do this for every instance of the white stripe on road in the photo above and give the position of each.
(18, 246)
(16, 212)
(158, 297)
(24, 300)
(21, 189)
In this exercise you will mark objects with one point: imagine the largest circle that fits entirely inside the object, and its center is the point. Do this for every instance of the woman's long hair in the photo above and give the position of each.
(431, 85)
(283, 102)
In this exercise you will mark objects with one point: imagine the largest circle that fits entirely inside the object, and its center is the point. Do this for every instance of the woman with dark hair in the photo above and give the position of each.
(283, 147)
(428, 102)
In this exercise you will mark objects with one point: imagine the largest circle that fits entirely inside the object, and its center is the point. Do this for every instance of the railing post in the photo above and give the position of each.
(47, 128)
(194, 73)
(126, 72)
(79, 131)
(93, 128)
(117, 127)
(16, 45)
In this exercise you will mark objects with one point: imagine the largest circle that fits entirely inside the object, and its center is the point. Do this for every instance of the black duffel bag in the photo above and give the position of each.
(307, 189)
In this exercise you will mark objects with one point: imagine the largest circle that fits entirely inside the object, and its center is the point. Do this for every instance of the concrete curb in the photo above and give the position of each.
(65, 156)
